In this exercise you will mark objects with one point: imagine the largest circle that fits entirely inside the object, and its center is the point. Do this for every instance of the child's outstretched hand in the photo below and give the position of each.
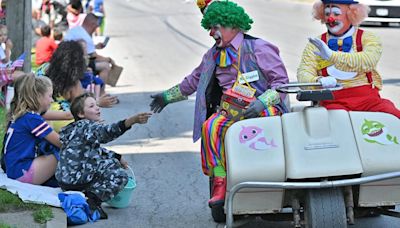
(142, 118)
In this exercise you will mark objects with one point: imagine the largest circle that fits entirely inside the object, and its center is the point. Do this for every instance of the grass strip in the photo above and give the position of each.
(4, 225)
(10, 203)
(43, 214)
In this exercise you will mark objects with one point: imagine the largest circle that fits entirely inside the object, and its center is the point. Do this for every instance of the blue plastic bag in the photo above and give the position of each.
(77, 209)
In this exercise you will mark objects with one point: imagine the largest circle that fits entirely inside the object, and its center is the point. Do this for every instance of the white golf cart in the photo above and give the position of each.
(323, 166)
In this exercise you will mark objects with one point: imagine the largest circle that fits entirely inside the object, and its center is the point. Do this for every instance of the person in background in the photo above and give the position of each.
(3, 12)
(347, 55)
(90, 82)
(37, 24)
(87, 6)
(98, 63)
(45, 46)
(36, 7)
(48, 13)
(31, 146)
(98, 10)
(84, 164)
(57, 35)
(75, 15)
(5, 45)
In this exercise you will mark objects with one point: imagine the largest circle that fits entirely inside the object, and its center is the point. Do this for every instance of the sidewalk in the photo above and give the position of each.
(25, 219)
(59, 220)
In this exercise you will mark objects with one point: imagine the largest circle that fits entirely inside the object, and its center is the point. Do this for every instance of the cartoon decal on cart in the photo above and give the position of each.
(376, 132)
(253, 137)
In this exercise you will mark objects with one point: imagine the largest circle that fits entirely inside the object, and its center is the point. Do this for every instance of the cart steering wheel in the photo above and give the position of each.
(309, 94)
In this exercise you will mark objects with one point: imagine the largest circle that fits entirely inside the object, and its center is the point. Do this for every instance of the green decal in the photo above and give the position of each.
(376, 132)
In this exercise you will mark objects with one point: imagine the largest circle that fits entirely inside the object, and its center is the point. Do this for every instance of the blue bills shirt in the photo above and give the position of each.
(20, 143)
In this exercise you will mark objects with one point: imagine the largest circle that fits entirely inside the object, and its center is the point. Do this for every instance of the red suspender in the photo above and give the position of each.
(358, 40)
(360, 48)
(324, 71)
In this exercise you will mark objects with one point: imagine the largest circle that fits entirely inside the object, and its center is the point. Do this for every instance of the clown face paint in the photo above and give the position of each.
(222, 36)
(335, 17)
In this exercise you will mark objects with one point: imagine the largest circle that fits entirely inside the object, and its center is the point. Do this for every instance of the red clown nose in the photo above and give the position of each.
(331, 21)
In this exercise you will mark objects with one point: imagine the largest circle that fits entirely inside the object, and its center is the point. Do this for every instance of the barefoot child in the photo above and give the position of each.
(84, 164)
(31, 146)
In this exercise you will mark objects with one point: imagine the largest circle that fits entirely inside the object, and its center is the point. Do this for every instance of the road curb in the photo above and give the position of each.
(59, 220)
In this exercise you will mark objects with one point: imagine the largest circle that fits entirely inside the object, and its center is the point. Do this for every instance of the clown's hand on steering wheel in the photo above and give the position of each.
(268, 98)
(328, 81)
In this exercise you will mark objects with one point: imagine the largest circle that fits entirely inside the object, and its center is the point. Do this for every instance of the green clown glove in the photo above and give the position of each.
(160, 100)
(269, 98)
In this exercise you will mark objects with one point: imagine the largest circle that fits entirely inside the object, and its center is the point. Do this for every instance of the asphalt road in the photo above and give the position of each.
(159, 42)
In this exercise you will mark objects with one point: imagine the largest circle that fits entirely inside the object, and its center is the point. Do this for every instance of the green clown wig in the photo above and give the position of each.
(227, 14)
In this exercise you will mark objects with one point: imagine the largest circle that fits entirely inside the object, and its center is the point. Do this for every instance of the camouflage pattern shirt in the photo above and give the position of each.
(82, 158)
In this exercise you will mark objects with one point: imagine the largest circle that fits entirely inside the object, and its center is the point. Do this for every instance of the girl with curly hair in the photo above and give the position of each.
(66, 69)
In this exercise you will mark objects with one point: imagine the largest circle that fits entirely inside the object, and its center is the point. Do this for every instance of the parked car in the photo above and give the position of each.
(383, 11)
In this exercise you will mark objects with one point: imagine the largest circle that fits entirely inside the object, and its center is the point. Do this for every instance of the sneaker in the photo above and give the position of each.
(103, 214)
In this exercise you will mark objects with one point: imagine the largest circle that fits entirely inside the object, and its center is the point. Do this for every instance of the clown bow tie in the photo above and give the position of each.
(341, 45)
(225, 57)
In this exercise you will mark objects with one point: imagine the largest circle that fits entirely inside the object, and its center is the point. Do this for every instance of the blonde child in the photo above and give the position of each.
(84, 164)
(5, 45)
(31, 146)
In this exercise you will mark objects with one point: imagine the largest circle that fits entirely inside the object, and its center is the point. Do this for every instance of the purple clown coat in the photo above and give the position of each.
(255, 55)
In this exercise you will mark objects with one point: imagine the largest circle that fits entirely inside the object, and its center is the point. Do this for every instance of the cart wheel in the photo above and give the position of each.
(360, 212)
(218, 213)
(325, 208)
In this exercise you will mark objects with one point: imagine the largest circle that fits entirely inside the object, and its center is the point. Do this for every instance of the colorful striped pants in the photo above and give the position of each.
(213, 136)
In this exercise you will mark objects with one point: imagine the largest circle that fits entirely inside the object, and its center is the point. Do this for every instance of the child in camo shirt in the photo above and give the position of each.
(84, 164)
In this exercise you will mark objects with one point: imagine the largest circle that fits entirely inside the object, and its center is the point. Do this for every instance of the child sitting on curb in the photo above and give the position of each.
(84, 164)
(31, 145)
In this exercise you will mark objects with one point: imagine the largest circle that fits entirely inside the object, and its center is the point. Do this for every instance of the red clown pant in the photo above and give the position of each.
(361, 98)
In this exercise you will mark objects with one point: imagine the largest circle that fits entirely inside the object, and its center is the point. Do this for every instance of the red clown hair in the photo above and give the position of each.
(356, 14)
